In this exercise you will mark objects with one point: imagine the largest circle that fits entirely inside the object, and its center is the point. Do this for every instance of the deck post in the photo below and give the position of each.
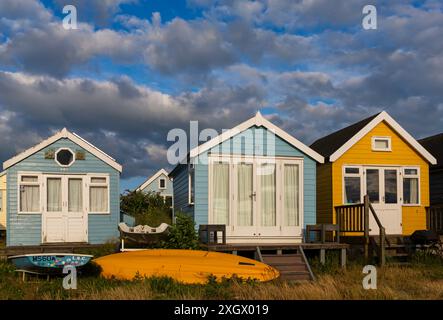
(382, 246)
(343, 258)
(323, 256)
(366, 226)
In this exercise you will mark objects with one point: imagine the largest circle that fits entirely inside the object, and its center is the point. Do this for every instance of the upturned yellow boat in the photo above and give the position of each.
(186, 266)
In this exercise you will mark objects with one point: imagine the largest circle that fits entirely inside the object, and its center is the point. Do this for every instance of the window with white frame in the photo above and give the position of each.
(191, 186)
(352, 185)
(411, 183)
(381, 144)
(29, 194)
(99, 194)
(162, 183)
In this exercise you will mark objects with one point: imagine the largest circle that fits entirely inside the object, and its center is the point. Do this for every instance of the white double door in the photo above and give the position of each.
(382, 184)
(258, 199)
(64, 214)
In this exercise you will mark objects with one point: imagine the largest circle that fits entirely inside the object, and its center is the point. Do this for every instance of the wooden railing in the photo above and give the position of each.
(350, 217)
(355, 218)
(434, 218)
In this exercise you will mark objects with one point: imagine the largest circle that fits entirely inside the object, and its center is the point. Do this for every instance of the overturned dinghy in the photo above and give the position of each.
(144, 234)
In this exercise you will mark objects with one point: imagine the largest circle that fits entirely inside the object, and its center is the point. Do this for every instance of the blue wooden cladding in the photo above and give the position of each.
(26, 228)
(252, 142)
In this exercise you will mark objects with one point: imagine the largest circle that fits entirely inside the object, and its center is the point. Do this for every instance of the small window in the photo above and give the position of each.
(99, 195)
(411, 185)
(381, 143)
(191, 186)
(352, 170)
(352, 185)
(162, 183)
(168, 201)
(64, 157)
(29, 194)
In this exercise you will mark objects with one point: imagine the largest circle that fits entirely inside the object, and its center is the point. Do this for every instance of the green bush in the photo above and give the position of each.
(147, 208)
(182, 234)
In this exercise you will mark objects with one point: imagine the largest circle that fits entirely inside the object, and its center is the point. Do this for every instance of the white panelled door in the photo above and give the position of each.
(258, 198)
(382, 184)
(64, 216)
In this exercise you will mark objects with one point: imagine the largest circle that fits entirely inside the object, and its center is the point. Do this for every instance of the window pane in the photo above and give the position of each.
(98, 180)
(29, 198)
(220, 187)
(168, 201)
(381, 144)
(352, 170)
(75, 195)
(390, 186)
(372, 185)
(352, 190)
(268, 194)
(98, 199)
(410, 190)
(54, 195)
(291, 194)
(191, 185)
(29, 179)
(162, 183)
(245, 196)
(411, 171)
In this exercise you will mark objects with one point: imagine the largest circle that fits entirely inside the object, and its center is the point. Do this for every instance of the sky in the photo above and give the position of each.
(135, 69)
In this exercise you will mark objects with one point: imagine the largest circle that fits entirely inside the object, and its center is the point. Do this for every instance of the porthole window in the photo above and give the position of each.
(65, 157)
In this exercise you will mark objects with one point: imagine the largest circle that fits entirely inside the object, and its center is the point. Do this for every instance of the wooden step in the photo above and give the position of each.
(291, 266)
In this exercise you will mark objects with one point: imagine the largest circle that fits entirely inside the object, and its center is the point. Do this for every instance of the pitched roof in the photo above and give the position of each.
(67, 135)
(342, 140)
(434, 145)
(152, 178)
(330, 143)
(258, 121)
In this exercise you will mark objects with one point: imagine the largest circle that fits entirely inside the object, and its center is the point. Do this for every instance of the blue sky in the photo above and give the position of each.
(135, 69)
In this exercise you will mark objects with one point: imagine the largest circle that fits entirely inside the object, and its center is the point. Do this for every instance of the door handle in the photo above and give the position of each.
(253, 195)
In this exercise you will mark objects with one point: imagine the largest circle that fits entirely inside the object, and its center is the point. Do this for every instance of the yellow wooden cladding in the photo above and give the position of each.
(402, 154)
(3, 204)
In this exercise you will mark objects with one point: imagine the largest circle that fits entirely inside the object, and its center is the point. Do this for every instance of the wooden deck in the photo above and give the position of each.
(282, 248)
(47, 248)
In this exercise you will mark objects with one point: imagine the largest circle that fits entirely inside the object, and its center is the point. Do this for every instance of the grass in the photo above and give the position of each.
(423, 279)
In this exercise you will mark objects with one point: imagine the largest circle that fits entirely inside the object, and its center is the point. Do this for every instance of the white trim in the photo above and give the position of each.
(62, 165)
(388, 139)
(404, 176)
(90, 184)
(383, 116)
(362, 176)
(39, 183)
(259, 121)
(191, 179)
(67, 135)
(152, 178)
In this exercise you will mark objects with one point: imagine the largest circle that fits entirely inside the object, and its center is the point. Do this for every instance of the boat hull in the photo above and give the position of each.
(186, 266)
(49, 263)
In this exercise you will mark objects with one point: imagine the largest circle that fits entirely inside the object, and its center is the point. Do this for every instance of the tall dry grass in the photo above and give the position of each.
(421, 281)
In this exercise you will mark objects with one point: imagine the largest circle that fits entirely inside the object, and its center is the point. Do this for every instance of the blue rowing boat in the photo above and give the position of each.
(49, 263)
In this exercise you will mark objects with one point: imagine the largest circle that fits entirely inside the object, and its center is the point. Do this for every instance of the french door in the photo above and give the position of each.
(258, 199)
(382, 184)
(64, 216)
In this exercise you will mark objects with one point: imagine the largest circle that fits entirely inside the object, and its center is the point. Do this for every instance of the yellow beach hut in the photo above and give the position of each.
(2, 203)
(378, 158)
